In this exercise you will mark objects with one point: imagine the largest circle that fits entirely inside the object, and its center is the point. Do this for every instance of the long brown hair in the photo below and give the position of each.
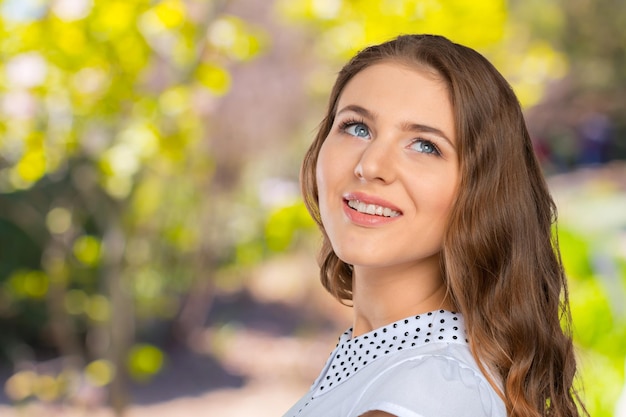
(500, 258)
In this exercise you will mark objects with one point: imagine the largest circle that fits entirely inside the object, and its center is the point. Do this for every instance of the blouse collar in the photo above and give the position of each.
(351, 355)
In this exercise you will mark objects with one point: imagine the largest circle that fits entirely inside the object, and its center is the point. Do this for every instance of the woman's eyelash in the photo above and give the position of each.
(350, 122)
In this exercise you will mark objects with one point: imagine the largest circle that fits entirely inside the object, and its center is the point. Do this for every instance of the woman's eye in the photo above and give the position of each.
(425, 146)
(358, 129)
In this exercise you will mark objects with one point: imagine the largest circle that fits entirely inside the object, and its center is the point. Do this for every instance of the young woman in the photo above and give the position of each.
(437, 230)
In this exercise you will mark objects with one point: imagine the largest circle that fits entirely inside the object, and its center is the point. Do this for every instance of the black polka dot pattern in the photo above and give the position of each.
(352, 355)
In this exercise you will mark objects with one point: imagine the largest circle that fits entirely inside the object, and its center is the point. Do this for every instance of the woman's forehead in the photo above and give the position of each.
(405, 64)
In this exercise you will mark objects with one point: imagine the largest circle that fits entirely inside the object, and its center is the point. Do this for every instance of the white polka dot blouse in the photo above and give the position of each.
(417, 366)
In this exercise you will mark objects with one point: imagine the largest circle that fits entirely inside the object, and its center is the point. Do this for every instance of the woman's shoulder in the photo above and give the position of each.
(440, 382)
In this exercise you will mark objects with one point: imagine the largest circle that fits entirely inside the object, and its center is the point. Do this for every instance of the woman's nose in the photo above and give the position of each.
(376, 163)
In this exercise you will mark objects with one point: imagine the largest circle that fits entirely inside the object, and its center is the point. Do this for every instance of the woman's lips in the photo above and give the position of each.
(368, 210)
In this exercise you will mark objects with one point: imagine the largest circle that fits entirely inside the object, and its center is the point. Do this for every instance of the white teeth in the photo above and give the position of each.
(372, 209)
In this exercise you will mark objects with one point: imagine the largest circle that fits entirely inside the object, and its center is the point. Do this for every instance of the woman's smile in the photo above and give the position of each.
(367, 210)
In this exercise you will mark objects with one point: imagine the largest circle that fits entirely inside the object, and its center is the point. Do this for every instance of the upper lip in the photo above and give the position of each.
(370, 199)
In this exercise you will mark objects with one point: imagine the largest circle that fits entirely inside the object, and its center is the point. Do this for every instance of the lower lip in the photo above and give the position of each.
(364, 219)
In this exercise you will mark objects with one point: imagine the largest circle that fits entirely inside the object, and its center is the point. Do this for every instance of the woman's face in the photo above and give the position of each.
(388, 171)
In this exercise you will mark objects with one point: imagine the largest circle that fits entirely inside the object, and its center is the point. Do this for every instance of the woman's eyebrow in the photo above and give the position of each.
(421, 128)
(357, 109)
(406, 126)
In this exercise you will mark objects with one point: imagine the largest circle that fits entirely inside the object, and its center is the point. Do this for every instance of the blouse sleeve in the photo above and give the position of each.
(431, 386)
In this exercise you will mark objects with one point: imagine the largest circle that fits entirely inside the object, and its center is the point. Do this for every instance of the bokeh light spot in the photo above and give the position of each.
(100, 372)
(59, 220)
(87, 250)
(144, 361)
(21, 385)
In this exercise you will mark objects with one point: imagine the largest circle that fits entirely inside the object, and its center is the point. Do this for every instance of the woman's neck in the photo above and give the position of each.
(381, 296)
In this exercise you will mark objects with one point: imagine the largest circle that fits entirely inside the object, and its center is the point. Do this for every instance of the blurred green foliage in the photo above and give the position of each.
(106, 175)
(113, 219)
(591, 237)
(347, 26)
(491, 26)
